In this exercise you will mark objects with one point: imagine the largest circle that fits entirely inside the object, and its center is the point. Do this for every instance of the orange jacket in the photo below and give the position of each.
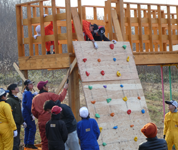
(38, 102)
(49, 31)
(86, 29)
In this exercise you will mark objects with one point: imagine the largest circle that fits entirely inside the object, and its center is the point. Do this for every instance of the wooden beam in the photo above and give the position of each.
(95, 13)
(140, 28)
(109, 19)
(177, 19)
(36, 45)
(116, 25)
(80, 10)
(150, 28)
(83, 13)
(23, 4)
(160, 29)
(55, 26)
(19, 72)
(59, 32)
(169, 28)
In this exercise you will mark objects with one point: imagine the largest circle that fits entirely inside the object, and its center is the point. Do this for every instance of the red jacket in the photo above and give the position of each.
(49, 31)
(38, 102)
(86, 29)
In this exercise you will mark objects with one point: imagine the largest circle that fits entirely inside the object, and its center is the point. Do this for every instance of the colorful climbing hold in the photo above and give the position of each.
(90, 87)
(104, 144)
(136, 139)
(121, 86)
(118, 74)
(143, 111)
(99, 60)
(105, 86)
(114, 59)
(97, 115)
(131, 125)
(112, 114)
(129, 112)
(100, 129)
(139, 98)
(93, 102)
(125, 98)
(115, 127)
(111, 46)
(128, 59)
(124, 46)
(87, 73)
(108, 100)
(84, 60)
(102, 72)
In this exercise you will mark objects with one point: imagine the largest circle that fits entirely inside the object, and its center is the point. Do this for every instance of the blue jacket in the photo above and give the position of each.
(27, 104)
(88, 133)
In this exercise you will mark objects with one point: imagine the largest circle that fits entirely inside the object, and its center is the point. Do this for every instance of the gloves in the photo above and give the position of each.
(33, 118)
(164, 136)
(66, 86)
(35, 36)
(35, 93)
(45, 15)
(114, 41)
(15, 133)
(95, 45)
(24, 125)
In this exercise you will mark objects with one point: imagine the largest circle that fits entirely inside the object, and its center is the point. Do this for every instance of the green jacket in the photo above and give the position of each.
(15, 104)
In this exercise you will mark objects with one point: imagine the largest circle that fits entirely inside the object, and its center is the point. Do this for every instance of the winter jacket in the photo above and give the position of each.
(56, 132)
(68, 117)
(86, 29)
(15, 104)
(88, 133)
(38, 102)
(153, 144)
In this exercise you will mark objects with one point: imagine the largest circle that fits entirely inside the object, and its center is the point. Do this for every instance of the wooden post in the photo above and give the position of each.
(109, 19)
(74, 95)
(36, 45)
(136, 31)
(83, 13)
(160, 28)
(155, 32)
(30, 29)
(129, 25)
(55, 26)
(106, 18)
(25, 73)
(80, 10)
(19, 31)
(140, 28)
(177, 19)
(150, 28)
(146, 32)
(164, 33)
(42, 28)
(95, 13)
(169, 28)
(59, 32)
(120, 13)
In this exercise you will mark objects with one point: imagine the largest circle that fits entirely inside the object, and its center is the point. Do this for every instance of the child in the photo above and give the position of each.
(171, 125)
(8, 127)
(88, 131)
(30, 130)
(56, 131)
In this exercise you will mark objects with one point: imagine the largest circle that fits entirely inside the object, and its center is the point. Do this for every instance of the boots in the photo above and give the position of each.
(31, 146)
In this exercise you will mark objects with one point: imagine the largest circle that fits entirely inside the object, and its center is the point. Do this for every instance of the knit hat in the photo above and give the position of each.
(83, 112)
(41, 84)
(149, 130)
(56, 110)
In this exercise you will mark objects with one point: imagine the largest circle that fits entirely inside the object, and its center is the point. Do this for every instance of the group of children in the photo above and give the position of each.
(58, 127)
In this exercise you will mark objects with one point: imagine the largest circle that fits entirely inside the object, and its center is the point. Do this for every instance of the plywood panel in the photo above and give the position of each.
(123, 137)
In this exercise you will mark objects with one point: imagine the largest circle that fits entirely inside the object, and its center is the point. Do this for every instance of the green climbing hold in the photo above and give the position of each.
(108, 100)
(97, 115)
(104, 144)
(124, 46)
(90, 87)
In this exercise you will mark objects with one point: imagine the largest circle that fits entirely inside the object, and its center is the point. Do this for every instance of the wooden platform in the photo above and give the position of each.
(109, 87)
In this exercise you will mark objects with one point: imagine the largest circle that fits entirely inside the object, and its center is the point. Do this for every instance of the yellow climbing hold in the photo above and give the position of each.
(118, 74)
(125, 98)
(136, 139)
(128, 59)
(100, 129)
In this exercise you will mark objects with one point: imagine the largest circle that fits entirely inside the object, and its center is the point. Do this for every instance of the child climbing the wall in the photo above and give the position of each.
(171, 125)
(56, 131)
(30, 130)
(88, 131)
(48, 31)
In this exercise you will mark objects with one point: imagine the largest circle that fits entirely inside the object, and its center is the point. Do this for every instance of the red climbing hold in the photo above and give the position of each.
(84, 60)
(129, 111)
(93, 102)
(99, 60)
(112, 46)
(102, 72)
(132, 126)
(139, 98)
(112, 114)
(87, 73)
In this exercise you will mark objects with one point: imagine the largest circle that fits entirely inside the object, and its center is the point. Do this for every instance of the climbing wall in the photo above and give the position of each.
(113, 93)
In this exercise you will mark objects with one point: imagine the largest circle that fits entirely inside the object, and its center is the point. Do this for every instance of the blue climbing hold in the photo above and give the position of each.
(115, 127)
(114, 59)
(105, 86)
(121, 86)
(143, 111)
